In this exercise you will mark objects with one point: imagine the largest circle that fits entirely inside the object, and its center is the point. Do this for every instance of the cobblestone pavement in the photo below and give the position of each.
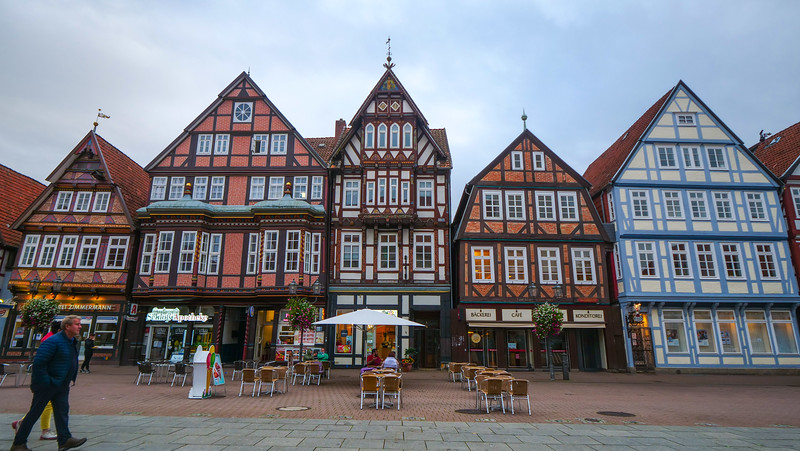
(659, 412)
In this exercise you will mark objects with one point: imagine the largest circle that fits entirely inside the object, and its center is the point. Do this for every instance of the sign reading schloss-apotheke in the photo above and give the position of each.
(174, 314)
(481, 314)
(525, 315)
(587, 316)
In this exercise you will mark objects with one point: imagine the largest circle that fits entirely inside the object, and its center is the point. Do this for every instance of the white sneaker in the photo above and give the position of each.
(48, 434)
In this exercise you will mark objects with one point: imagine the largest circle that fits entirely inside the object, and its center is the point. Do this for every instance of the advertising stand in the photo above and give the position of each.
(200, 374)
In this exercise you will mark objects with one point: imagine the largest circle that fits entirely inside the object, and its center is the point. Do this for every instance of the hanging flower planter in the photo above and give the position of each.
(547, 320)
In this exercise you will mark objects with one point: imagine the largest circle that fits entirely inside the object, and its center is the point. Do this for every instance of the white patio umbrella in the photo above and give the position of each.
(367, 317)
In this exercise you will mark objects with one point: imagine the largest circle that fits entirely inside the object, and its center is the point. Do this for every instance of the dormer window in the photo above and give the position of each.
(685, 119)
(242, 111)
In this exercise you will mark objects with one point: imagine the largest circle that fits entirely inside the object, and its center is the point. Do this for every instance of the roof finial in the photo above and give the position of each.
(524, 120)
(389, 64)
(99, 115)
(248, 71)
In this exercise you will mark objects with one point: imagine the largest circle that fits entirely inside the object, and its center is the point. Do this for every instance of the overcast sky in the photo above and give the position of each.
(584, 71)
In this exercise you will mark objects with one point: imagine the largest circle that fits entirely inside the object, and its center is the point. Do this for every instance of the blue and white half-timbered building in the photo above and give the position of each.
(702, 262)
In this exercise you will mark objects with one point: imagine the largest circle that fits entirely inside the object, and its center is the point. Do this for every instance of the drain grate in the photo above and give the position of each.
(131, 413)
(293, 408)
(201, 414)
(471, 411)
(592, 420)
(487, 420)
(341, 417)
(615, 414)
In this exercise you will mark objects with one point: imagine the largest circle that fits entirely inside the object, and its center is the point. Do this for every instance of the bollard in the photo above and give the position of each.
(565, 366)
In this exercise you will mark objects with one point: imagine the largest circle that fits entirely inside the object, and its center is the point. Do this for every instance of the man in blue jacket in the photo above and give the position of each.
(55, 365)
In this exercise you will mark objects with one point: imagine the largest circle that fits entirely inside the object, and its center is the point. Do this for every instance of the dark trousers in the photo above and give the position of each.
(59, 396)
(87, 356)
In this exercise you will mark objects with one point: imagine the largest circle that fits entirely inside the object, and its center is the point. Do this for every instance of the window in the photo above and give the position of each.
(89, 247)
(425, 193)
(217, 188)
(491, 205)
(387, 249)
(704, 328)
(728, 332)
(306, 246)
(147, 253)
(351, 251)
(117, 252)
(756, 324)
(200, 188)
(680, 260)
(164, 252)
(259, 144)
(684, 120)
(176, 188)
(49, 245)
(538, 161)
(159, 188)
(316, 252)
(214, 252)
(202, 254)
(617, 261)
(405, 193)
(647, 259)
(393, 191)
(766, 261)
(186, 257)
(796, 199)
(370, 193)
(351, 189)
(292, 251)
(691, 157)
(705, 260)
(674, 330)
(252, 253)
(716, 158)
(755, 205)
(545, 210)
(568, 206)
(221, 144)
(722, 202)
(783, 330)
(242, 111)
(204, 144)
(583, 266)
(83, 200)
(641, 204)
(316, 187)
(516, 161)
(516, 265)
(270, 263)
(482, 268)
(101, 201)
(612, 215)
(67, 255)
(408, 136)
(666, 158)
(257, 187)
(549, 265)
(697, 203)
(64, 200)
(279, 144)
(275, 188)
(300, 188)
(423, 251)
(29, 250)
(515, 208)
(382, 136)
(733, 262)
(381, 191)
(672, 205)
(394, 139)
(369, 136)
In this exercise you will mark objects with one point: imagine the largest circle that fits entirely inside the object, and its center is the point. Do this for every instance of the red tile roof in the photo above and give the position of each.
(602, 170)
(18, 193)
(131, 178)
(779, 151)
(323, 146)
(440, 135)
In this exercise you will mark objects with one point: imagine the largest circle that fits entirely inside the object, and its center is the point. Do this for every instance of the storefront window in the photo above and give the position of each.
(344, 335)
(675, 330)
(728, 334)
(105, 330)
(517, 349)
(783, 329)
(18, 339)
(757, 332)
(202, 337)
(704, 327)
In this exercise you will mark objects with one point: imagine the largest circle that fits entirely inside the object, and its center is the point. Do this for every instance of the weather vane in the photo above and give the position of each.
(99, 116)
(388, 64)
(524, 120)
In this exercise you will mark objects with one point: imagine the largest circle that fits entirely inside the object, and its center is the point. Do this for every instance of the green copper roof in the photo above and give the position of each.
(188, 204)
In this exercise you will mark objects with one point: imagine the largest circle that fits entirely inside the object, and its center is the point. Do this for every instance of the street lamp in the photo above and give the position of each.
(558, 291)
(34, 284)
(57, 285)
(316, 287)
(293, 287)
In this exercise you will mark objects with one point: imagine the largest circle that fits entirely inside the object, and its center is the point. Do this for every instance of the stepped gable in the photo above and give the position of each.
(780, 151)
(25, 190)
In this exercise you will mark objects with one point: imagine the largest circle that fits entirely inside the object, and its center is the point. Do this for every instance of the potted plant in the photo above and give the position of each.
(408, 360)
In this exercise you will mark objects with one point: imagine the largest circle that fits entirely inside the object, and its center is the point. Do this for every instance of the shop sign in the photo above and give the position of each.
(479, 314)
(174, 315)
(588, 316)
(517, 315)
(92, 307)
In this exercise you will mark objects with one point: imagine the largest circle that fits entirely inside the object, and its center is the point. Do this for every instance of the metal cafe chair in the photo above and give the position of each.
(492, 390)
(518, 390)
(3, 373)
(314, 370)
(238, 366)
(179, 372)
(370, 386)
(145, 369)
(249, 377)
(268, 377)
(393, 388)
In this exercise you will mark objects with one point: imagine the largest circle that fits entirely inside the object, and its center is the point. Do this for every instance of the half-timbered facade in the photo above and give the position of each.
(702, 261)
(78, 242)
(526, 232)
(236, 225)
(390, 195)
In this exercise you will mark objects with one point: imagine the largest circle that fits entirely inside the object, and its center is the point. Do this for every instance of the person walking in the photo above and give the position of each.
(54, 366)
(88, 352)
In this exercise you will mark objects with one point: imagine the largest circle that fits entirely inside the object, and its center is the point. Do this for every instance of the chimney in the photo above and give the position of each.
(340, 126)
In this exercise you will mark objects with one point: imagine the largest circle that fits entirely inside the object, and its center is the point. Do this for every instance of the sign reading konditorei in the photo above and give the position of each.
(588, 316)
(481, 314)
(174, 315)
(524, 315)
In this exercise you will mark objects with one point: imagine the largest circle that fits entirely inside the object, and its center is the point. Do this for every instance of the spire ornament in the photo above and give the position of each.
(388, 63)
(524, 120)
(100, 115)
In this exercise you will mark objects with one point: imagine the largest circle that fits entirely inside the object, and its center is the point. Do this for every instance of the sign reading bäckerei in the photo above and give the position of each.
(588, 316)
(174, 314)
(481, 314)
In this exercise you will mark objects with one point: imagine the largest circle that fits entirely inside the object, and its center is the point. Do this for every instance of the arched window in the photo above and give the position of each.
(395, 136)
(382, 136)
(407, 136)
(369, 136)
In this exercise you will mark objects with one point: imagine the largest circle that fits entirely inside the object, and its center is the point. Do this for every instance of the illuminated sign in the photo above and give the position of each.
(174, 315)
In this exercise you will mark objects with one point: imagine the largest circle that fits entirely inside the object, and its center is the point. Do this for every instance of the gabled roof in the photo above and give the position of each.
(18, 193)
(323, 146)
(780, 152)
(440, 136)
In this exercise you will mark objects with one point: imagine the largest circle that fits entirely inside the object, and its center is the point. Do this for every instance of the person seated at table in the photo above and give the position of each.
(321, 355)
(391, 361)
(374, 360)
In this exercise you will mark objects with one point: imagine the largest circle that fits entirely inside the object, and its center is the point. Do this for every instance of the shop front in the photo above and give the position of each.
(174, 333)
(275, 339)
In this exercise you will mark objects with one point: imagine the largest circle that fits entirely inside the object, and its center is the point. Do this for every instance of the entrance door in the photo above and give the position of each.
(589, 357)
(482, 347)
(517, 349)
(642, 348)
(159, 343)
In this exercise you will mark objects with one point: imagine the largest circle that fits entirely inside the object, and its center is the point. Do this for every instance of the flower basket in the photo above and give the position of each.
(407, 363)
(547, 320)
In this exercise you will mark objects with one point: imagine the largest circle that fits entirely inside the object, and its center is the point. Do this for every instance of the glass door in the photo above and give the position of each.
(517, 349)
(159, 343)
(482, 347)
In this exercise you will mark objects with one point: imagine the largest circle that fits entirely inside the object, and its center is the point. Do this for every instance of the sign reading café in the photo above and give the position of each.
(168, 315)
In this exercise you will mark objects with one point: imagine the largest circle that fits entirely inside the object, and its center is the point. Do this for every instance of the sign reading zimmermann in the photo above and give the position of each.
(174, 314)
